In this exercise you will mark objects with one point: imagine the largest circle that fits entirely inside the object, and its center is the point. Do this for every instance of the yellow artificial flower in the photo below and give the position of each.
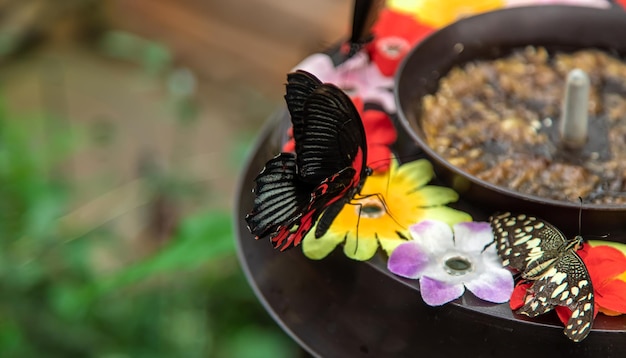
(439, 13)
(389, 203)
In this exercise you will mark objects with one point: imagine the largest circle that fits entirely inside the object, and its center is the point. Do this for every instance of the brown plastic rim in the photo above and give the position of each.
(492, 35)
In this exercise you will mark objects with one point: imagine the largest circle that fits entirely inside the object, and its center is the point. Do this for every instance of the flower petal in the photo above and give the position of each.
(563, 313)
(472, 236)
(518, 295)
(434, 236)
(378, 157)
(437, 293)
(360, 248)
(378, 126)
(378, 88)
(380, 134)
(591, 3)
(493, 285)
(390, 244)
(621, 247)
(434, 195)
(318, 248)
(395, 24)
(609, 312)
(319, 64)
(612, 296)
(414, 174)
(408, 260)
(444, 213)
(604, 262)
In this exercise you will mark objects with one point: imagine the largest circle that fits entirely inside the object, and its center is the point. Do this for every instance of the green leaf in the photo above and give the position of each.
(11, 337)
(200, 239)
(252, 342)
(69, 301)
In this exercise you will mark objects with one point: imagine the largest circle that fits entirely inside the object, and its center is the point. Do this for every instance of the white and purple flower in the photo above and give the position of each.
(447, 262)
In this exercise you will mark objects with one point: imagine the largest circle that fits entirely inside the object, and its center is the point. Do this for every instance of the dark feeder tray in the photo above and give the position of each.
(337, 307)
(497, 34)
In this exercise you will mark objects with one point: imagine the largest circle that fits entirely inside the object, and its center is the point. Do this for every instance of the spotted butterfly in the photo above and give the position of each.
(296, 190)
(543, 254)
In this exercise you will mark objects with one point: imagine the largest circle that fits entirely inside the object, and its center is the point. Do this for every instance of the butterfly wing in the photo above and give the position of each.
(327, 129)
(300, 86)
(280, 197)
(326, 196)
(292, 191)
(330, 143)
(566, 283)
(526, 243)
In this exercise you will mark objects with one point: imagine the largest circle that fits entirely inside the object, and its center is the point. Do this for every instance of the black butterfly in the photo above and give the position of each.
(326, 172)
(542, 254)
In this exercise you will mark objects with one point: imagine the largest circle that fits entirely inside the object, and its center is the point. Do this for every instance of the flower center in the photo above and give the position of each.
(458, 266)
(370, 209)
(393, 46)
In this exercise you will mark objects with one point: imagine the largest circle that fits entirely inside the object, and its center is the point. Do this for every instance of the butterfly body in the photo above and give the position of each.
(327, 170)
(543, 255)
(540, 264)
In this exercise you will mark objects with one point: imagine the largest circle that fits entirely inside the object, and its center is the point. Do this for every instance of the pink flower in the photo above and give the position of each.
(358, 77)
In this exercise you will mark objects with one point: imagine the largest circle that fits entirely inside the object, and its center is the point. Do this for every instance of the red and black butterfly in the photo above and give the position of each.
(327, 170)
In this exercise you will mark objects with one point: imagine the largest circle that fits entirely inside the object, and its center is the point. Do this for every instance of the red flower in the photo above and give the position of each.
(380, 134)
(518, 295)
(394, 35)
(605, 265)
(290, 145)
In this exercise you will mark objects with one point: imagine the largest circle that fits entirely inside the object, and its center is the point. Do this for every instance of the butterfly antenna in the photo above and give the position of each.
(358, 221)
(580, 216)
(388, 183)
(487, 246)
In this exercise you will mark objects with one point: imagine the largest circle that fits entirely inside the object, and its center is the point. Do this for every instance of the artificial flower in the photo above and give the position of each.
(439, 13)
(357, 76)
(607, 269)
(590, 3)
(395, 33)
(380, 134)
(446, 263)
(389, 202)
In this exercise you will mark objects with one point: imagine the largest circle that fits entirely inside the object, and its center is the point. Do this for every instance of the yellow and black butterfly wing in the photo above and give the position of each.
(567, 283)
(544, 255)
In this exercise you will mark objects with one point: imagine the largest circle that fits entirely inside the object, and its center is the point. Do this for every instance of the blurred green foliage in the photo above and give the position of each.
(188, 298)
